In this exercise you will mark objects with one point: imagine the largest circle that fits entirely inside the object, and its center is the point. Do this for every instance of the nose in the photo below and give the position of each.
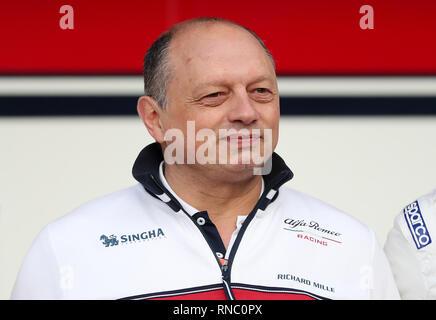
(242, 109)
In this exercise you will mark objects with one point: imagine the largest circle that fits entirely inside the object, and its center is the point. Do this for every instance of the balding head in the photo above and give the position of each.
(206, 76)
(157, 69)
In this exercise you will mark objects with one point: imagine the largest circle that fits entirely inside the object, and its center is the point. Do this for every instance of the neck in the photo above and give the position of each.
(223, 196)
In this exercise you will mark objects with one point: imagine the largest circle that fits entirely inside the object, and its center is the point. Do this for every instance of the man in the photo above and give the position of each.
(214, 229)
(411, 250)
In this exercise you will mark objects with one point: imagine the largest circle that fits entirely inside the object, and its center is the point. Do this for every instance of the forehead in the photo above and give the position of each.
(206, 51)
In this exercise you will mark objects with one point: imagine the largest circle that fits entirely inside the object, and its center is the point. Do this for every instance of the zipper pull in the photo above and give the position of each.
(224, 265)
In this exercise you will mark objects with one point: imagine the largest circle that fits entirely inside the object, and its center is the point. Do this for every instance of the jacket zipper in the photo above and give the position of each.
(225, 276)
(226, 268)
(279, 180)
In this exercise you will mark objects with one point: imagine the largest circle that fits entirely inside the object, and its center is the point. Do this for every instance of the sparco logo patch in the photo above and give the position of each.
(113, 240)
(416, 224)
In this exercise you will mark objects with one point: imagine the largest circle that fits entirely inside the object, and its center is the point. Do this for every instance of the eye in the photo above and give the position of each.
(262, 95)
(261, 90)
(214, 99)
(214, 95)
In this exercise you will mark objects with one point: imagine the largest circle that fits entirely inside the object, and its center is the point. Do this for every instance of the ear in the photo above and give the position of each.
(150, 113)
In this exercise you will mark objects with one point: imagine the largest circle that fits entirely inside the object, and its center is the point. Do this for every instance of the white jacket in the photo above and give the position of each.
(144, 242)
(411, 250)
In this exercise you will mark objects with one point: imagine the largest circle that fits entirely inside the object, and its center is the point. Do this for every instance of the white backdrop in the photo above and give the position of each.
(369, 167)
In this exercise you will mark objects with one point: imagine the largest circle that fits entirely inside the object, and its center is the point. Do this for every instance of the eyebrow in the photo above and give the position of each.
(260, 79)
(221, 82)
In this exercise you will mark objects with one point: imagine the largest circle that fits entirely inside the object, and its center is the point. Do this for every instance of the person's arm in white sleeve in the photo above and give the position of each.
(382, 283)
(39, 275)
(411, 251)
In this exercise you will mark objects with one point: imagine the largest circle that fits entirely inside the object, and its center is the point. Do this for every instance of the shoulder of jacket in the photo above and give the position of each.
(108, 207)
(416, 222)
(319, 210)
(410, 246)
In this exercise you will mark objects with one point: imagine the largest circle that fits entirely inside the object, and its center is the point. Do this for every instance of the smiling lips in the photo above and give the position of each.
(243, 141)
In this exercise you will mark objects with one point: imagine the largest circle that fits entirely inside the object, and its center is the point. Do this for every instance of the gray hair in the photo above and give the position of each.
(156, 66)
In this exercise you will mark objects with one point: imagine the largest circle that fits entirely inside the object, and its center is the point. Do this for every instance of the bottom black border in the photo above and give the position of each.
(166, 310)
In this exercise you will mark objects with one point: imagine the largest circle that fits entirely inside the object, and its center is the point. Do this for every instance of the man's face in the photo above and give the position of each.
(221, 78)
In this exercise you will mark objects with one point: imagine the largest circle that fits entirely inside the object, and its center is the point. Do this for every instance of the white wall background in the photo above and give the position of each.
(369, 167)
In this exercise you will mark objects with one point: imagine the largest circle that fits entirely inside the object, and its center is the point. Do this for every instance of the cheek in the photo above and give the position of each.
(211, 118)
(196, 127)
(271, 117)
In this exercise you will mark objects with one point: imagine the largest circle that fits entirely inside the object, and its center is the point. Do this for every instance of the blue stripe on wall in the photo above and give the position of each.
(308, 106)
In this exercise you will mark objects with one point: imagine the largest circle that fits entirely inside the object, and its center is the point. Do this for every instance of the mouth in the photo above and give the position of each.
(244, 141)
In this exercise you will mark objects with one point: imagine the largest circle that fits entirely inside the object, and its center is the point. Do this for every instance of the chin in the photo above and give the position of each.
(238, 171)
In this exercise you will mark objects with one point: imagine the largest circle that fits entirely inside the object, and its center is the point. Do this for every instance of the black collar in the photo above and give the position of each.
(146, 171)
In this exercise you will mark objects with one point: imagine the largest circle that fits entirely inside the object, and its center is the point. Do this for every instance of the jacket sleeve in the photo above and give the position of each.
(411, 251)
(39, 276)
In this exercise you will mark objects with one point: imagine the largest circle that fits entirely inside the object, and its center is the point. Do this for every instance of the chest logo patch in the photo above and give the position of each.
(312, 231)
(114, 240)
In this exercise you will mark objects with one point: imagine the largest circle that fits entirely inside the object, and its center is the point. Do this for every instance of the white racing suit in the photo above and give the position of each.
(411, 249)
